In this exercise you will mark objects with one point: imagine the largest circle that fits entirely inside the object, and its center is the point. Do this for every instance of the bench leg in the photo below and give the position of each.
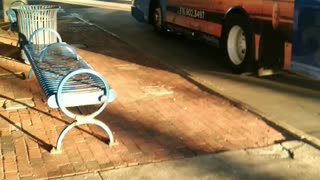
(57, 149)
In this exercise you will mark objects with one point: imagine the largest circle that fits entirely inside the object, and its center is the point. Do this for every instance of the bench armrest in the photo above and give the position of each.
(60, 102)
(112, 95)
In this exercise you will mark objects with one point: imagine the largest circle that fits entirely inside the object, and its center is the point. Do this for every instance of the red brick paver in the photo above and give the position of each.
(157, 116)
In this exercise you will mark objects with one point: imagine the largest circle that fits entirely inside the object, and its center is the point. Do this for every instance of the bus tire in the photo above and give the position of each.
(237, 43)
(157, 18)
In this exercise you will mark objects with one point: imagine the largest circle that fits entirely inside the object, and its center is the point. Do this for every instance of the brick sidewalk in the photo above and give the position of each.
(158, 115)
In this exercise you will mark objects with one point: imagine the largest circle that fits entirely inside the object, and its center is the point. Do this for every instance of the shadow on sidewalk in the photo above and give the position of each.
(160, 144)
(90, 38)
(37, 140)
(43, 144)
(9, 52)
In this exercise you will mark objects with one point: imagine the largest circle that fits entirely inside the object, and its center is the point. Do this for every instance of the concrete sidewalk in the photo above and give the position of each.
(273, 162)
(159, 116)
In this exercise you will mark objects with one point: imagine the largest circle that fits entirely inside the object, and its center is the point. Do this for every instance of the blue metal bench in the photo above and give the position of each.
(11, 14)
(67, 81)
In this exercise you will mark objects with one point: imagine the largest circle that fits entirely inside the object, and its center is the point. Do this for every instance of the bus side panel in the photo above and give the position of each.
(140, 10)
(306, 39)
(196, 15)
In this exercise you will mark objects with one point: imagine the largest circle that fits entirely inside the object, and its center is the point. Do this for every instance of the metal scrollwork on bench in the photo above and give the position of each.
(68, 81)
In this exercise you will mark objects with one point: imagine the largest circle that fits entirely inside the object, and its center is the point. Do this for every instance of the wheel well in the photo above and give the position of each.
(239, 11)
(153, 4)
(235, 11)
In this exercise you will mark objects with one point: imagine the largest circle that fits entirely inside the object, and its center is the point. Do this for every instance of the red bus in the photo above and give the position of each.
(252, 34)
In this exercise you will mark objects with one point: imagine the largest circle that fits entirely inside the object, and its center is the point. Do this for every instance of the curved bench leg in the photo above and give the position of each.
(57, 149)
(106, 129)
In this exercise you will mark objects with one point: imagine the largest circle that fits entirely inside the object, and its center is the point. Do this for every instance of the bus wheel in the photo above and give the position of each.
(237, 43)
(157, 19)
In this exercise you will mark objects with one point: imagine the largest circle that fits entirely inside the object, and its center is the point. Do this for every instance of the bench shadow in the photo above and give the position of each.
(16, 75)
(9, 52)
(170, 144)
(36, 139)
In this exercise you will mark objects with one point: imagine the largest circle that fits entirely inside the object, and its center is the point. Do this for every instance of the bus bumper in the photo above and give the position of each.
(137, 14)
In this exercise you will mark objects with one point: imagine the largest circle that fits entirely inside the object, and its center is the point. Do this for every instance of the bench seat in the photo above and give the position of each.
(85, 89)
